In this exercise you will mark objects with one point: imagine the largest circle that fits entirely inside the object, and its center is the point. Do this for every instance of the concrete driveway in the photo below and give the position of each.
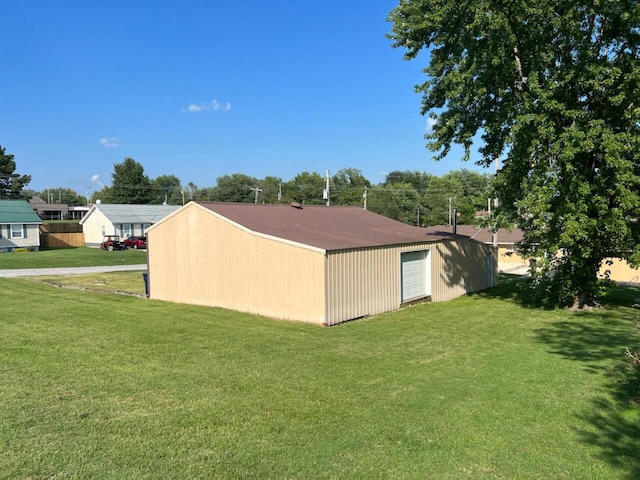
(28, 272)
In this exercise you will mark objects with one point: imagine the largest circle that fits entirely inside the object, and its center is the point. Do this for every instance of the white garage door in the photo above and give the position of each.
(416, 279)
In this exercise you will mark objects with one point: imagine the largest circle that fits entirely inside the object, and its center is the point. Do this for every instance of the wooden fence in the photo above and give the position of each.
(60, 235)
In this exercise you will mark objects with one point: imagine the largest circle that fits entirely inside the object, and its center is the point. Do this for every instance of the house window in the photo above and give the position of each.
(103, 231)
(16, 231)
(145, 227)
(126, 230)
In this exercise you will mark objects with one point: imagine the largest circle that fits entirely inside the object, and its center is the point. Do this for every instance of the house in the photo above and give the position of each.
(509, 257)
(506, 240)
(49, 211)
(124, 220)
(317, 264)
(19, 226)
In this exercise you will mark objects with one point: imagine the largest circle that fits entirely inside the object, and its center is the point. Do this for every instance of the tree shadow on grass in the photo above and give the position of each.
(515, 288)
(519, 289)
(598, 341)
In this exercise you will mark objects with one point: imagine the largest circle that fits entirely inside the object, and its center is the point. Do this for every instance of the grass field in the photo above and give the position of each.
(110, 282)
(110, 386)
(71, 257)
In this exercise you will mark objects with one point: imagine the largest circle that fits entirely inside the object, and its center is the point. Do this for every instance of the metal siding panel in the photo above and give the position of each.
(362, 282)
(460, 267)
(197, 258)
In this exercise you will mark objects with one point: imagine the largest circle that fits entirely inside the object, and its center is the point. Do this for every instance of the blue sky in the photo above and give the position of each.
(200, 89)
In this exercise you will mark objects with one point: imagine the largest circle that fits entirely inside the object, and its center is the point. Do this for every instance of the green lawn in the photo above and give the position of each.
(110, 386)
(71, 257)
(111, 282)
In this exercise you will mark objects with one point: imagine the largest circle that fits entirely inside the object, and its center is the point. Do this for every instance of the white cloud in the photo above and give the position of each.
(212, 106)
(110, 142)
(194, 108)
(96, 179)
(431, 122)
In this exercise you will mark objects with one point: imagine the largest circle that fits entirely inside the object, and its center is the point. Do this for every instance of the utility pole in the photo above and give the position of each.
(364, 196)
(450, 206)
(257, 190)
(280, 191)
(325, 193)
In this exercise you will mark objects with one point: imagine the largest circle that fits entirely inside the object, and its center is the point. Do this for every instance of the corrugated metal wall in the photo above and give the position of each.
(199, 258)
(462, 266)
(361, 283)
(367, 282)
(196, 257)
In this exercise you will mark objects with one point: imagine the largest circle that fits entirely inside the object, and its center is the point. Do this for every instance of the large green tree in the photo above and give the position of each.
(167, 189)
(552, 88)
(236, 187)
(11, 184)
(306, 188)
(129, 184)
(348, 187)
(399, 201)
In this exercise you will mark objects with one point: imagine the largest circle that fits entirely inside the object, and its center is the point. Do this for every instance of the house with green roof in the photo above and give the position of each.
(19, 226)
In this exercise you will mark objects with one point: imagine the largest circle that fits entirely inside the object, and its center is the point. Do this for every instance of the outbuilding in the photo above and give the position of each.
(317, 264)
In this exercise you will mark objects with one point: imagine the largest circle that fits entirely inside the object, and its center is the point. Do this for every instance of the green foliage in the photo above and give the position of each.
(348, 186)
(399, 201)
(167, 189)
(129, 184)
(551, 88)
(11, 184)
(59, 195)
(234, 188)
(306, 188)
(419, 180)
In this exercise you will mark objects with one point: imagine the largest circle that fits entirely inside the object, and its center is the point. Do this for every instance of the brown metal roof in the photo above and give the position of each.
(485, 235)
(325, 227)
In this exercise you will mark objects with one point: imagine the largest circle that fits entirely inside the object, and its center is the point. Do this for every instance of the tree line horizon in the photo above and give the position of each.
(412, 197)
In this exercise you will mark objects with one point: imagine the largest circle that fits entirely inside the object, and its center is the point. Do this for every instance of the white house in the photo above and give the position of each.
(124, 220)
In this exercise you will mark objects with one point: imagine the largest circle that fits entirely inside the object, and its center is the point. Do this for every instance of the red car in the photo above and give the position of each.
(136, 242)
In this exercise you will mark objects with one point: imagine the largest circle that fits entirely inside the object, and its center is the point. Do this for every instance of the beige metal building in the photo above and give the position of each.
(314, 264)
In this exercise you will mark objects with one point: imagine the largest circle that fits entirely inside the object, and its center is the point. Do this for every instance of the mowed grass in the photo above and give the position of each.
(129, 282)
(71, 257)
(110, 386)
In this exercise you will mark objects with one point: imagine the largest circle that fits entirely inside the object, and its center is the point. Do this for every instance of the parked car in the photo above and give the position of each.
(112, 242)
(136, 242)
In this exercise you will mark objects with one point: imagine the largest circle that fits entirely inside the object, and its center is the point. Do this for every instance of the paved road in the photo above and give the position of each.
(513, 268)
(27, 272)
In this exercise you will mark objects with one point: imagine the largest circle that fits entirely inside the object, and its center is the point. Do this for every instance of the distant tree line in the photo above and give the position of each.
(408, 196)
